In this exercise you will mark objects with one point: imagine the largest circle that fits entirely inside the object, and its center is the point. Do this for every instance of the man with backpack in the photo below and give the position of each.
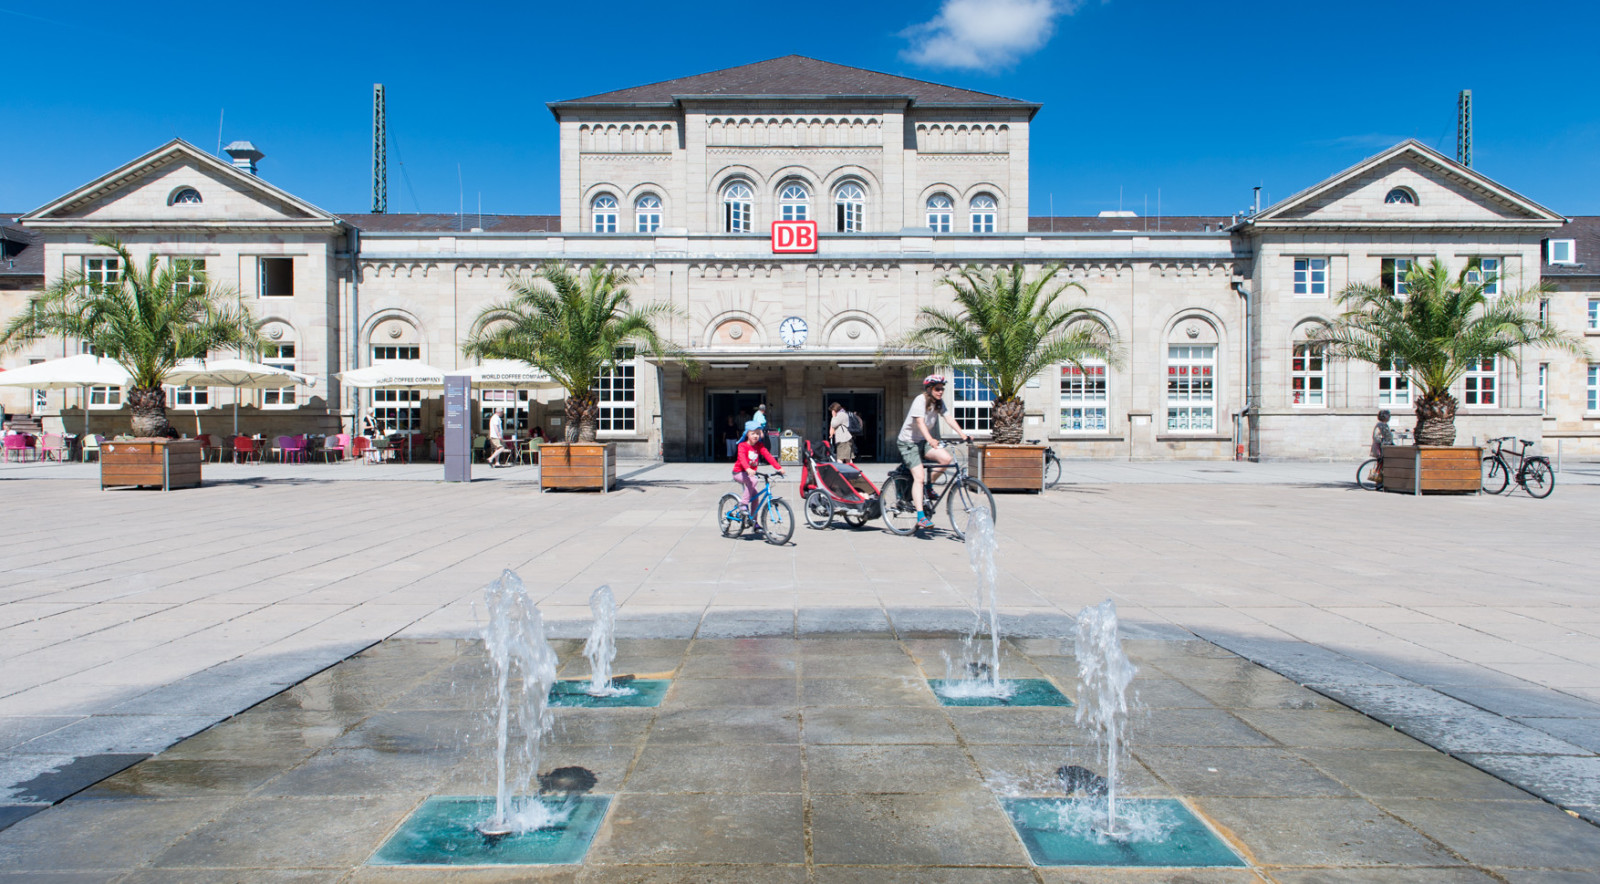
(839, 432)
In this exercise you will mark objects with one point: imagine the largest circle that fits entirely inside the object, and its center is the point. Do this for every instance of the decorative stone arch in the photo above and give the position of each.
(630, 205)
(852, 328)
(943, 187)
(735, 328)
(393, 327)
(874, 195)
(994, 190)
(278, 330)
(761, 207)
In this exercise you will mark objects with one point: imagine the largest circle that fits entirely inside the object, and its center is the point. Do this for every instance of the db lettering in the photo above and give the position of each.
(794, 236)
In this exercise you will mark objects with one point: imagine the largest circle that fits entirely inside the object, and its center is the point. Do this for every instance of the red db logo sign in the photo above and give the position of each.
(794, 236)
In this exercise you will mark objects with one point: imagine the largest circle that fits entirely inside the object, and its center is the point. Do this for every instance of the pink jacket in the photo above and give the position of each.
(746, 458)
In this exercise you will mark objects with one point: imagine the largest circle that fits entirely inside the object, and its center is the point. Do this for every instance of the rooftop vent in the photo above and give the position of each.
(244, 155)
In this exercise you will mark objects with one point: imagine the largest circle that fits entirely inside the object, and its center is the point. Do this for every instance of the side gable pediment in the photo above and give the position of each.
(141, 193)
(1446, 195)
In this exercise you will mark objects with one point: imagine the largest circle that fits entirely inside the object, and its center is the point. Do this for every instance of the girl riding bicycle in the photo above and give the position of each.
(745, 462)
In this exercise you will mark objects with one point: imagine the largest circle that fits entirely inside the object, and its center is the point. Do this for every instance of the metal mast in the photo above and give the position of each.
(1464, 128)
(380, 153)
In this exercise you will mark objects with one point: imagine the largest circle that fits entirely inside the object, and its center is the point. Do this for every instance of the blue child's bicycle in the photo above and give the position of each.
(771, 515)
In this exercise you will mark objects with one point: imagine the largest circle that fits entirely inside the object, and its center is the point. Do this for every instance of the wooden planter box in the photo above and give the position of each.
(1007, 467)
(581, 465)
(1432, 469)
(159, 463)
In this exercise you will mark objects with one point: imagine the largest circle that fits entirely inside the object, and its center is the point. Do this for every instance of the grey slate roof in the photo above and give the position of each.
(451, 223)
(797, 75)
(1584, 230)
(21, 250)
(1094, 224)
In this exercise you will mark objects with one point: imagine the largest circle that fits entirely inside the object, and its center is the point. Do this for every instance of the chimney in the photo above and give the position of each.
(244, 155)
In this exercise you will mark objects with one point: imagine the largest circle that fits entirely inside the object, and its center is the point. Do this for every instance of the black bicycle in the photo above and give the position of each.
(1533, 473)
(1052, 465)
(958, 491)
(1368, 475)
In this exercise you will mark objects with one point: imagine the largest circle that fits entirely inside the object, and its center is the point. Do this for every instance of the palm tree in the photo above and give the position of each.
(1013, 329)
(147, 319)
(572, 325)
(1438, 329)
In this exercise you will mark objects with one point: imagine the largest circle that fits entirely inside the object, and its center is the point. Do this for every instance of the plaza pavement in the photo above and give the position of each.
(132, 619)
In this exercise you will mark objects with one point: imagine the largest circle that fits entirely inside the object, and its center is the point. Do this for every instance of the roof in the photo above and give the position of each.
(453, 223)
(799, 76)
(1091, 224)
(1585, 233)
(21, 250)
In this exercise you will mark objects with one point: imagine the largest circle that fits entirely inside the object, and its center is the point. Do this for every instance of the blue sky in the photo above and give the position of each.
(1196, 102)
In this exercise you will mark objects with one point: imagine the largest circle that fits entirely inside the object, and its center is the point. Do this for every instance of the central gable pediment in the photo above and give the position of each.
(142, 193)
(1446, 195)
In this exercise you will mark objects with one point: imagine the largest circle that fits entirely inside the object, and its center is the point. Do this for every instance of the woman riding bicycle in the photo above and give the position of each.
(920, 438)
(745, 462)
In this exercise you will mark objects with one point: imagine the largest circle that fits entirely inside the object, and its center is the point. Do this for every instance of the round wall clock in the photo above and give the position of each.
(793, 331)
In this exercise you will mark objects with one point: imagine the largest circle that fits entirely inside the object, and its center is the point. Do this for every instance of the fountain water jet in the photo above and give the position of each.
(601, 648)
(968, 677)
(525, 669)
(1104, 673)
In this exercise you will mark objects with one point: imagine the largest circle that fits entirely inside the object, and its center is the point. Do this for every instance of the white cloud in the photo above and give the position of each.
(984, 34)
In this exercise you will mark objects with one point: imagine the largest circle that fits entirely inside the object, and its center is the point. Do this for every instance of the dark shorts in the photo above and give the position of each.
(911, 453)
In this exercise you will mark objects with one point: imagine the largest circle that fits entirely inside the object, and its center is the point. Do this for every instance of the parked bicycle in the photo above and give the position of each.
(958, 491)
(1052, 464)
(1368, 474)
(770, 514)
(1533, 473)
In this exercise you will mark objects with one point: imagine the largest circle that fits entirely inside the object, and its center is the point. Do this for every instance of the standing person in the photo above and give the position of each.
(369, 427)
(761, 416)
(497, 445)
(839, 430)
(730, 437)
(1382, 434)
(920, 437)
(746, 460)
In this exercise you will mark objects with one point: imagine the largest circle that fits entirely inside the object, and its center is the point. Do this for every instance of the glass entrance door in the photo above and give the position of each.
(869, 404)
(726, 413)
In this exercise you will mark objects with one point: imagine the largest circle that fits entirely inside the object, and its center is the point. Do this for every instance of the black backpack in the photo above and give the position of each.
(853, 423)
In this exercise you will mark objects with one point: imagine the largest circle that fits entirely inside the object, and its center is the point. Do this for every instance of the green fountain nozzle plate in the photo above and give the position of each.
(1024, 692)
(443, 832)
(571, 692)
(1186, 842)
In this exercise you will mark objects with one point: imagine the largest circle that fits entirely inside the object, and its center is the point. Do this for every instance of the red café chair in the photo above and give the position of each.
(206, 444)
(245, 447)
(359, 447)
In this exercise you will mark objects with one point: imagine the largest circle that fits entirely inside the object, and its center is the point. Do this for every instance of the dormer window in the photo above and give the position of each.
(1560, 251)
(1401, 196)
(184, 196)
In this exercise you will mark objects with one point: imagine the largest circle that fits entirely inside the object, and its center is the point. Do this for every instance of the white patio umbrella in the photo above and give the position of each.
(235, 373)
(393, 374)
(512, 373)
(83, 370)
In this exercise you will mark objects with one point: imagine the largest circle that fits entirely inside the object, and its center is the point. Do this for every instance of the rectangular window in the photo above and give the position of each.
(1487, 274)
(189, 397)
(102, 271)
(396, 353)
(1544, 309)
(1191, 388)
(105, 397)
(279, 356)
(1084, 403)
(939, 220)
(648, 220)
(605, 221)
(41, 398)
(1394, 383)
(397, 410)
(513, 408)
(614, 394)
(1594, 315)
(1544, 377)
(736, 216)
(1311, 276)
(850, 216)
(1560, 251)
(983, 222)
(277, 277)
(189, 275)
(972, 399)
(1308, 377)
(1394, 274)
(1594, 389)
(1478, 385)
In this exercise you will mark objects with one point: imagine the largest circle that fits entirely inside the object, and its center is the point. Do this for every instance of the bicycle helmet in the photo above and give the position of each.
(932, 379)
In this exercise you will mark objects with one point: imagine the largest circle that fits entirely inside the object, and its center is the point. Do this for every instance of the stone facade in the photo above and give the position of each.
(1205, 310)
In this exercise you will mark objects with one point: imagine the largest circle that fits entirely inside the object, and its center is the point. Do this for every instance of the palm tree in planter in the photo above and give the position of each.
(1442, 326)
(147, 319)
(572, 325)
(1013, 329)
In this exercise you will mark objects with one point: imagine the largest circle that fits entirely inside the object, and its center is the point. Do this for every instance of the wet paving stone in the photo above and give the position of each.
(933, 829)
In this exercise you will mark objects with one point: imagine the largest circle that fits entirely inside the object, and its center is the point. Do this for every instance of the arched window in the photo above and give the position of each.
(984, 210)
(184, 196)
(1084, 397)
(736, 207)
(794, 203)
(1404, 196)
(1192, 389)
(279, 353)
(1308, 376)
(605, 213)
(850, 208)
(940, 212)
(647, 213)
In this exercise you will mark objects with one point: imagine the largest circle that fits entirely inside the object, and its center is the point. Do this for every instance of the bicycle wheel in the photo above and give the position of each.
(1538, 477)
(1496, 475)
(899, 513)
(728, 521)
(777, 522)
(1366, 473)
(819, 510)
(1052, 471)
(962, 499)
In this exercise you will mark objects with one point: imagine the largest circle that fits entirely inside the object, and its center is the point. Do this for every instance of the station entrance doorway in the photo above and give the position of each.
(869, 404)
(726, 412)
